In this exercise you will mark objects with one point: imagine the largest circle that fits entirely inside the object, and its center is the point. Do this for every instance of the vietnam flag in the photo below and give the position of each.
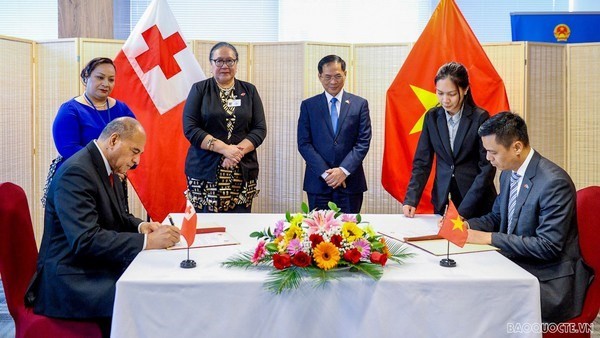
(447, 37)
(453, 228)
(155, 71)
(188, 227)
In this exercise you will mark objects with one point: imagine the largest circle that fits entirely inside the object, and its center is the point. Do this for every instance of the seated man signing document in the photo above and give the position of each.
(533, 220)
(89, 239)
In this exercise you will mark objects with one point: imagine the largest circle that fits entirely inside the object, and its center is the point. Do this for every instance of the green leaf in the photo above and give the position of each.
(397, 251)
(288, 216)
(333, 207)
(271, 247)
(320, 277)
(358, 218)
(279, 281)
(257, 234)
(377, 245)
(304, 208)
(241, 260)
(372, 270)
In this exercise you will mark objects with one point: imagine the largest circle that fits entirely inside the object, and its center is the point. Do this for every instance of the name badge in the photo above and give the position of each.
(234, 103)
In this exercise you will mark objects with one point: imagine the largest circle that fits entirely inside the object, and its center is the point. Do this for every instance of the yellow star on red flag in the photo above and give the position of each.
(458, 224)
(428, 100)
(452, 221)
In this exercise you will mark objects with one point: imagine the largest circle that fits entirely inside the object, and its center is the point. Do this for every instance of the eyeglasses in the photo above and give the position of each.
(337, 78)
(220, 62)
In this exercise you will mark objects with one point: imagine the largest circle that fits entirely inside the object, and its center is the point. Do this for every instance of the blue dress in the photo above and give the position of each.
(76, 124)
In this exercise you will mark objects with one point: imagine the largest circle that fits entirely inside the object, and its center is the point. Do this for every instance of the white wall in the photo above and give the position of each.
(347, 21)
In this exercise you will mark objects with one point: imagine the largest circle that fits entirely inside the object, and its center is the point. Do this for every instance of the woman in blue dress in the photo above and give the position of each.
(82, 118)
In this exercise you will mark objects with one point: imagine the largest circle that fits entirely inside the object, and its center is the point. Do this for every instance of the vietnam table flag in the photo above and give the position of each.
(453, 228)
(155, 71)
(447, 37)
(188, 226)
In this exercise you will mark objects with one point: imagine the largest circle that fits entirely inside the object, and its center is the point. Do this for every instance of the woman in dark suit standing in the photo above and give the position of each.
(450, 133)
(224, 121)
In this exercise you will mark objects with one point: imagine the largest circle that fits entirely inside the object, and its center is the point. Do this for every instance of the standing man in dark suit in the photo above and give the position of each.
(89, 239)
(450, 134)
(334, 135)
(534, 220)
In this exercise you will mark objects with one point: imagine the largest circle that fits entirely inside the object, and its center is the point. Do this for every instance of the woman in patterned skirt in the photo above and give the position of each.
(224, 121)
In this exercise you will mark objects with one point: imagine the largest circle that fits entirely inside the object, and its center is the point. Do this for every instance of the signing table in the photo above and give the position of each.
(486, 295)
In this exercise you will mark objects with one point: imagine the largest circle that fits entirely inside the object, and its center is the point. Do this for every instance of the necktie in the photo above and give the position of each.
(112, 180)
(512, 200)
(452, 129)
(334, 115)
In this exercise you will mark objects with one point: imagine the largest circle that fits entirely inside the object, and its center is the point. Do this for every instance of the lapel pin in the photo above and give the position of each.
(526, 186)
(347, 101)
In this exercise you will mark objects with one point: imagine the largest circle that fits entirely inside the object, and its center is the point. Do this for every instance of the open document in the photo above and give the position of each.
(438, 246)
(207, 234)
(205, 239)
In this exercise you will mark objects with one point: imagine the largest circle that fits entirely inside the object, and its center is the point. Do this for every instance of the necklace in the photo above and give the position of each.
(226, 90)
(96, 109)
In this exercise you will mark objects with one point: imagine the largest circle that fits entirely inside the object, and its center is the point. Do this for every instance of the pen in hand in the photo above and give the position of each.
(171, 220)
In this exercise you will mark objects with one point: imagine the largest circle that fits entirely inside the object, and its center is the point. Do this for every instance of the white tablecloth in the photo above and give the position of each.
(486, 295)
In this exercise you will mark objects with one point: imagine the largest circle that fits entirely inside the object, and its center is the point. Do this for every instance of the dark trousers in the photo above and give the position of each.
(348, 203)
(455, 196)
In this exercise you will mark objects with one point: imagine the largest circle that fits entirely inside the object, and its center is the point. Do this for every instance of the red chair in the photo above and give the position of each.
(18, 257)
(588, 204)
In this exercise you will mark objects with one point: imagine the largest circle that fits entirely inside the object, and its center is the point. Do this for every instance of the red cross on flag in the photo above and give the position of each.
(188, 227)
(155, 71)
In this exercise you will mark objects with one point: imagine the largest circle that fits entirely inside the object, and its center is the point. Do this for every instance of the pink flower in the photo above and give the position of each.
(278, 228)
(364, 247)
(294, 246)
(349, 218)
(321, 221)
(259, 253)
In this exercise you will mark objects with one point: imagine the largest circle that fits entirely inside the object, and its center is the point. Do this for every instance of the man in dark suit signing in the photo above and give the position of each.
(334, 135)
(89, 239)
(533, 220)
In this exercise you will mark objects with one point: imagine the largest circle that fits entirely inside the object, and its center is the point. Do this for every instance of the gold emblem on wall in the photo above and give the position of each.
(562, 32)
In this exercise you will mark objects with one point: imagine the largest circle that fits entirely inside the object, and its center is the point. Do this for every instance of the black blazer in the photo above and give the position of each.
(544, 239)
(473, 172)
(204, 114)
(88, 240)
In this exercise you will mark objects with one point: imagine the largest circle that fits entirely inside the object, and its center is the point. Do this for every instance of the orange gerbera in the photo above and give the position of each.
(326, 255)
(386, 249)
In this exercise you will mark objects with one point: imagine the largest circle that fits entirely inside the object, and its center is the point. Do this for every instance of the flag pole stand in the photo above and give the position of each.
(188, 263)
(448, 262)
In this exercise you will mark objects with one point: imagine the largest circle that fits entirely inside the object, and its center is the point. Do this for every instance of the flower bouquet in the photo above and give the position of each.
(319, 245)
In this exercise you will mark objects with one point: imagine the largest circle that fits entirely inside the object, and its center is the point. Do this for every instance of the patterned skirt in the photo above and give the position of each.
(223, 195)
